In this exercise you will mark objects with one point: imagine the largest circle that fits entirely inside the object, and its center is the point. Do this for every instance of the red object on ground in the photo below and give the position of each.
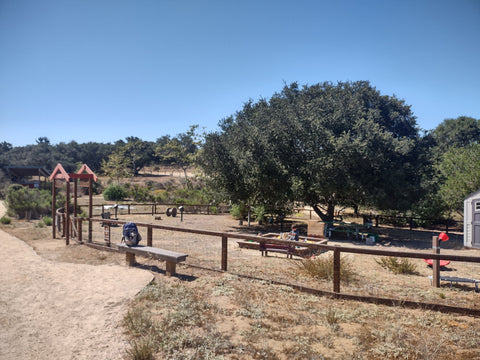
(442, 236)
(442, 262)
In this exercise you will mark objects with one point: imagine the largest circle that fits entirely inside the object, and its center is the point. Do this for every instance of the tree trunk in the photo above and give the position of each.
(187, 179)
(328, 215)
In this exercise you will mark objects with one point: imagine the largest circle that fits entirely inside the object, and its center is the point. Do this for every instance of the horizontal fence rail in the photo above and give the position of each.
(156, 208)
(336, 249)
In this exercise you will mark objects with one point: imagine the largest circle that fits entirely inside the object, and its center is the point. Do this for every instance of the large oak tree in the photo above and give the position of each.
(325, 145)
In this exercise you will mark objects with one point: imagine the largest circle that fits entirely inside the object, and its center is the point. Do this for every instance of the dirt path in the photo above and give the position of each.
(54, 310)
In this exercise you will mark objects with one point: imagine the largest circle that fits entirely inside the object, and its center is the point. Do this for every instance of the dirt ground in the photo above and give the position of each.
(60, 310)
(68, 300)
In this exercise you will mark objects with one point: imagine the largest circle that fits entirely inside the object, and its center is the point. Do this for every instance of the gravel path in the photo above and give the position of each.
(54, 310)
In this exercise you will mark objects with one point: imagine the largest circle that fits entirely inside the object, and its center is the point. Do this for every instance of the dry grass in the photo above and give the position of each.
(227, 317)
(322, 268)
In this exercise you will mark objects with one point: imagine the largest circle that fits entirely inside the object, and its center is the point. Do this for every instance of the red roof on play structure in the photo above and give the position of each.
(59, 173)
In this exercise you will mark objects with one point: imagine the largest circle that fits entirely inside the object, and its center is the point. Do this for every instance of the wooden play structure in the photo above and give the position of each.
(86, 177)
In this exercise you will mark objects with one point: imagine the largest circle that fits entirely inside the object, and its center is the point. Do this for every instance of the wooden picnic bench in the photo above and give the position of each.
(290, 250)
(171, 258)
(285, 249)
(455, 279)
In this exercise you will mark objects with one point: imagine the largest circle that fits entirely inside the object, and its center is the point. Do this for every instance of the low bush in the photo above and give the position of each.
(26, 202)
(115, 193)
(47, 220)
(5, 220)
(238, 212)
(403, 266)
(322, 268)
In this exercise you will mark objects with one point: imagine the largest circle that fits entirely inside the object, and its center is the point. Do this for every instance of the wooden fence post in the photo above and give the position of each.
(336, 270)
(224, 252)
(149, 236)
(79, 230)
(90, 230)
(436, 262)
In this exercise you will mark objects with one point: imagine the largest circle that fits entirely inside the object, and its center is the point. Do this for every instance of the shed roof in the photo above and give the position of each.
(474, 194)
(26, 171)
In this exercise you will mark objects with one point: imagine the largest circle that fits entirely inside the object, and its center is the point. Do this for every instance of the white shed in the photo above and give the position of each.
(471, 220)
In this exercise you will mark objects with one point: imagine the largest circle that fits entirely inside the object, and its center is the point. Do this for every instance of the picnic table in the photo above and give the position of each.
(293, 249)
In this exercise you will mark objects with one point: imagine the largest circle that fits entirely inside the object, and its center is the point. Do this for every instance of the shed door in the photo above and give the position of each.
(476, 223)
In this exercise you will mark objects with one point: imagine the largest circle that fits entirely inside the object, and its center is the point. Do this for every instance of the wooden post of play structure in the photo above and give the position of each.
(75, 194)
(54, 214)
(436, 262)
(79, 230)
(67, 213)
(90, 208)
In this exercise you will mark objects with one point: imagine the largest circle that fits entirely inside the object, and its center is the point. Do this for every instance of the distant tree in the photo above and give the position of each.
(5, 146)
(117, 167)
(459, 169)
(43, 140)
(459, 132)
(449, 144)
(92, 154)
(180, 151)
(128, 158)
(138, 153)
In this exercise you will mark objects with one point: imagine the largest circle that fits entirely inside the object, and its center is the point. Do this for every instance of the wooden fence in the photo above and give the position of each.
(155, 208)
(337, 251)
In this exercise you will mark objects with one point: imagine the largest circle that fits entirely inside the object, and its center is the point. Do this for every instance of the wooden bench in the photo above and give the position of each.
(171, 258)
(455, 279)
(285, 249)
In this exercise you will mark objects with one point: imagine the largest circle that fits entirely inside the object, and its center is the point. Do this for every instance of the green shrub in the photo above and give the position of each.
(259, 213)
(403, 266)
(5, 220)
(26, 202)
(238, 212)
(141, 194)
(115, 193)
(47, 220)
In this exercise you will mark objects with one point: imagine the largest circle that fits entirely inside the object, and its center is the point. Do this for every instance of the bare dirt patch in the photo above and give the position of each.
(55, 309)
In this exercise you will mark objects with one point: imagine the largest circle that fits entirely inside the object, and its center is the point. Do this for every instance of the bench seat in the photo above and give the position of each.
(171, 258)
(455, 279)
(285, 249)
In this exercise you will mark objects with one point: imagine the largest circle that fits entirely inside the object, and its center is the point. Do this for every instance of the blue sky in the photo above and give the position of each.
(102, 70)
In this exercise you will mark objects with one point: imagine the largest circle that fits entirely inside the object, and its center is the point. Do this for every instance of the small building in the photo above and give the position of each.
(471, 220)
(30, 176)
